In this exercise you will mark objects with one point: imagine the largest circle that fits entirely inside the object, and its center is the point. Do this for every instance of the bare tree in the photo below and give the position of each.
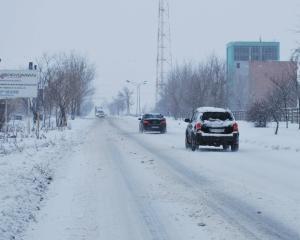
(66, 84)
(285, 91)
(67, 79)
(296, 59)
(190, 86)
(128, 98)
(274, 104)
(118, 104)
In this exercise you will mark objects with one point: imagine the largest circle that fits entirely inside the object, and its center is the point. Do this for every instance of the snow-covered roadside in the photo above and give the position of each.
(287, 138)
(27, 168)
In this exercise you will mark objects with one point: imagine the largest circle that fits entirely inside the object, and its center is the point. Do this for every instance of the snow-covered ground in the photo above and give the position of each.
(118, 184)
(27, 168)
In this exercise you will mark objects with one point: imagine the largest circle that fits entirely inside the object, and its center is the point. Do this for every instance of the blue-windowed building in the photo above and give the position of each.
(239, 55)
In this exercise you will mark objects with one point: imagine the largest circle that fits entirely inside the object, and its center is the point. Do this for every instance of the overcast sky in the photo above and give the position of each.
(119, 36)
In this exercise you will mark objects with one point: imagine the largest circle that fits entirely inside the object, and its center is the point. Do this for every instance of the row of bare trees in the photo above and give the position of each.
(66, 81)
(192, 85)
(122, 102)
(65, 89)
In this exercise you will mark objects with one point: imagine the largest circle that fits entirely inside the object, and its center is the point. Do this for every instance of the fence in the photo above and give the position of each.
(293, 115)
(240, 115)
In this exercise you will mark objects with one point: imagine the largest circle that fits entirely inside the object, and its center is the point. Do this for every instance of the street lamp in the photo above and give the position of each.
(138, 94)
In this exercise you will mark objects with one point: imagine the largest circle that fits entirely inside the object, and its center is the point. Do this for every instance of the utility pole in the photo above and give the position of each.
(164, 53)
(6, 114)
(298, 93)
(138, 94)
(30, 67)
(137, 100)
(6, 118)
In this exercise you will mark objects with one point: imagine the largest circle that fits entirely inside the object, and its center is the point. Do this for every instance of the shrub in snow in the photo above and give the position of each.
(258, 113)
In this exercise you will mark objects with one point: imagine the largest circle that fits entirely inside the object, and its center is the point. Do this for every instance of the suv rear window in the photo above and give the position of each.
(152, 116)
(223, 116)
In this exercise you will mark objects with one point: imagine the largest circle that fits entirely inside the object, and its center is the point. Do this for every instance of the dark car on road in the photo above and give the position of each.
(153, 122)
(212, 127)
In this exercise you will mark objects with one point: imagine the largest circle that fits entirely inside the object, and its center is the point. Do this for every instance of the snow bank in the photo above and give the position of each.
(287, 138)
(27, 167)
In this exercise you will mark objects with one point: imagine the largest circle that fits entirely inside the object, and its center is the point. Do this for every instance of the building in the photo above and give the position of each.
(252, 51)
(243, 65)
(262, 76)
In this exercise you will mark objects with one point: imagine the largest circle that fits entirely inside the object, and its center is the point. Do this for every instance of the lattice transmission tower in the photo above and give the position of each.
(164, 52)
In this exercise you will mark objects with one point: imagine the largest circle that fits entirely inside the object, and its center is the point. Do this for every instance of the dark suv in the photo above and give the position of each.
(153, 122)
(212, 127)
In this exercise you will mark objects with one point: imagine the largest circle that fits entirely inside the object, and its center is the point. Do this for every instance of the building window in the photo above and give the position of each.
(241, 53)
(269, 53)
(255, 53)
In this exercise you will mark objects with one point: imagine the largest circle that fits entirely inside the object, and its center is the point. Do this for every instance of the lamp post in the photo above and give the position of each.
(138, 94)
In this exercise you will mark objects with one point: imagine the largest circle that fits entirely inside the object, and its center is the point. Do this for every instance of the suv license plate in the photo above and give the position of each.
(217, 130)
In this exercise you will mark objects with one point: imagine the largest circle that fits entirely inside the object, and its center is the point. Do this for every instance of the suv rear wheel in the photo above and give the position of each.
(187, 144)
(193, 144)
(234, 147)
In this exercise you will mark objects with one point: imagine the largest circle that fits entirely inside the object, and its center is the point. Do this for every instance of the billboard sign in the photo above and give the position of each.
(18, 84)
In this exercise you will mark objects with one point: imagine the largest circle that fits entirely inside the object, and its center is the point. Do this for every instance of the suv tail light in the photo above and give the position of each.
(163, 121)
(146, 122)
(235, 127)
(198, 126)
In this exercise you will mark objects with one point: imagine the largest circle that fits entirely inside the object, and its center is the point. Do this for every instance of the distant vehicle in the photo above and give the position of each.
(154, 122)
(99, 112)
(212, 127)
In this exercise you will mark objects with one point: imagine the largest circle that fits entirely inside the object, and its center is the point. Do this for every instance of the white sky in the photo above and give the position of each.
(120, 36)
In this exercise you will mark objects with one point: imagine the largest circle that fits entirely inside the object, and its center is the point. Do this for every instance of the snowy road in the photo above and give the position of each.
(124, 185)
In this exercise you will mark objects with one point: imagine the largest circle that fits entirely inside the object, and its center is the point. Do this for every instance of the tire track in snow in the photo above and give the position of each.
(147, 212)
(239, 214)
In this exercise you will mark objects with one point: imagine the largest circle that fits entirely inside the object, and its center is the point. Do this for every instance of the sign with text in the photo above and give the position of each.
(18, 84)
